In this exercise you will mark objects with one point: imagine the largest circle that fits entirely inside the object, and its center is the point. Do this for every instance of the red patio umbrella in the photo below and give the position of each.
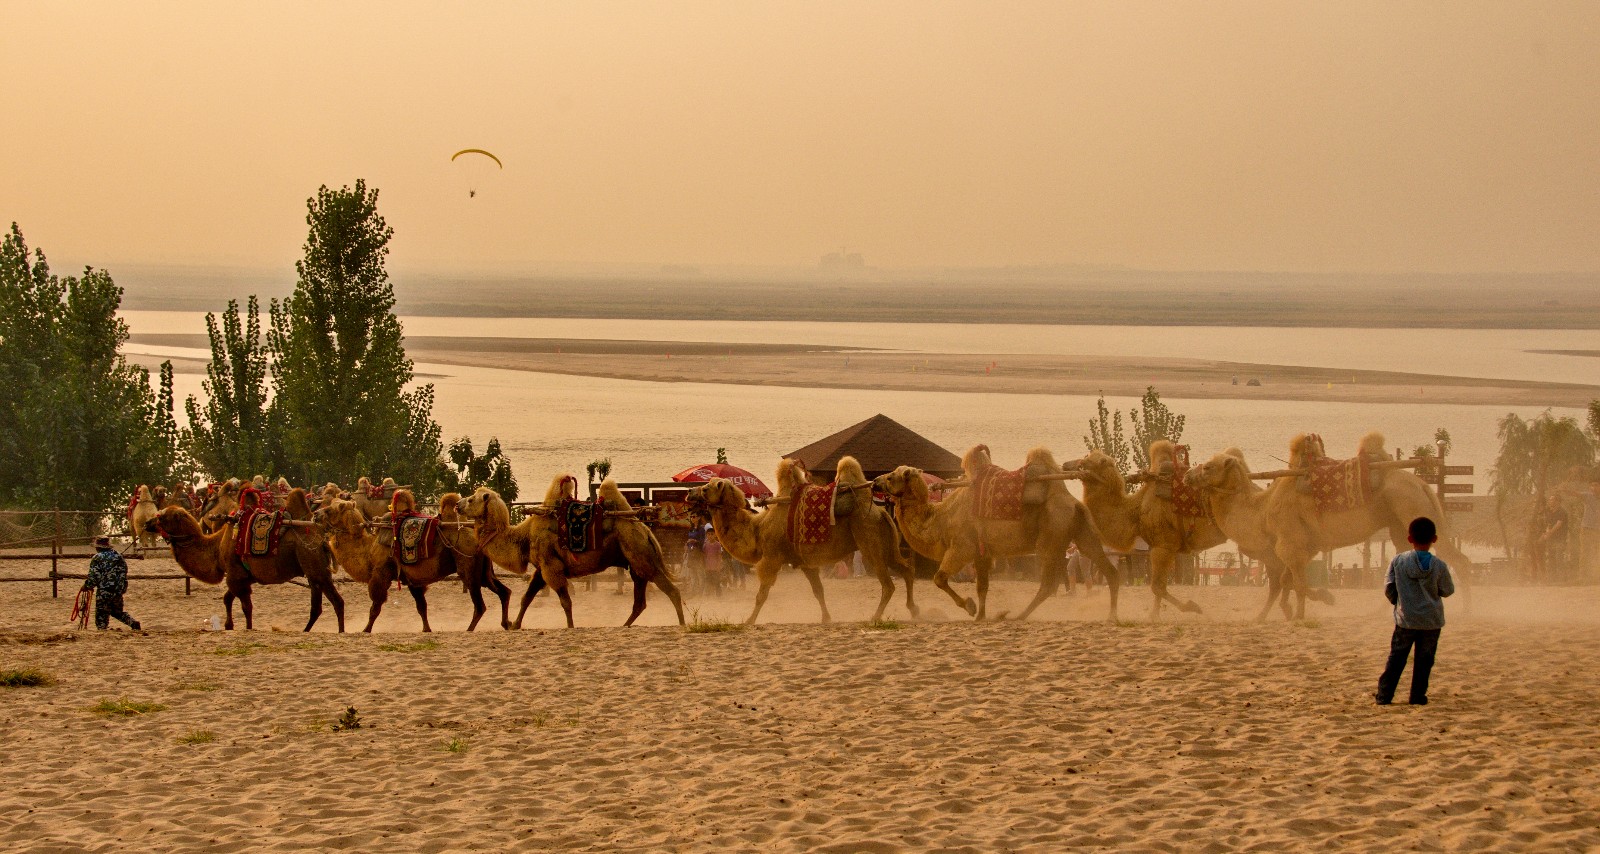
(748, 483)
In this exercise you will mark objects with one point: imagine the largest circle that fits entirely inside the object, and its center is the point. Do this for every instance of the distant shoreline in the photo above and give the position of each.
(806, 366)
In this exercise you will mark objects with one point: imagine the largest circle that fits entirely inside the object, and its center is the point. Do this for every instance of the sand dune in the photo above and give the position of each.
(1207, 733)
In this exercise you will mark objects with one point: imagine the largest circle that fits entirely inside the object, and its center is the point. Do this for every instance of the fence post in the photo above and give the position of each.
(55, 549)
(186, 585)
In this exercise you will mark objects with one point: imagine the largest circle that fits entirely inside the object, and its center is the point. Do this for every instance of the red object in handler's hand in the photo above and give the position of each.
(80, 609)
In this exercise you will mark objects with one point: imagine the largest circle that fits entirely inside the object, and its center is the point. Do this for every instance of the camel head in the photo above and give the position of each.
(904, 483)
(144, 494)
(340, 515)
(716, 493)
(485, 506)
(173, 523)
(1098, 468)
(1225, 472)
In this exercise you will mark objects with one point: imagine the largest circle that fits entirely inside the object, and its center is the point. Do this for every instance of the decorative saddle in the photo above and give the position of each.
(811, 515)
(259, 532)
(416, 538)
(580, 524)
(1186, 500)
(1335, 485)
(998, 493)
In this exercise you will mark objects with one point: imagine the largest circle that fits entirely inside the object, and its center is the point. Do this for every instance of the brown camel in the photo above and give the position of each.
(139, 518)
(762, 539)
(369, 558)
(210, 558)
(1123, 517)
(1302, 531)
(625, 541)
(373, 501)
(1238, 504)
(951, 532)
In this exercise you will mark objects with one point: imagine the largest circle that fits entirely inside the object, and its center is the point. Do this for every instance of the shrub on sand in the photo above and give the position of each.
(27, 677)
(124, 707)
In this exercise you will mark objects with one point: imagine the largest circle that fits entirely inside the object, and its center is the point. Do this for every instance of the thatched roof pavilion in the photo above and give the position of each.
(881, 445)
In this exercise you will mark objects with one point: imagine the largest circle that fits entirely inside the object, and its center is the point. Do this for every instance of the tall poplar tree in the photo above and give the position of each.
(340, 372)
(231, 435)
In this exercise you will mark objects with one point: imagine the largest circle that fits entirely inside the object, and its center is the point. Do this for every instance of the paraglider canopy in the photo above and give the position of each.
(477, 151)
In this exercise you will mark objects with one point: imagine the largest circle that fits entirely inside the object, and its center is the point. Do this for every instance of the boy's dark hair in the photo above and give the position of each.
(1422, 531)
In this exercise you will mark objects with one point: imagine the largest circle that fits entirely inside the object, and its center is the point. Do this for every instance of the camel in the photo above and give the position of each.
(762, 539)
(210, 558)
(951, 533)
(1123, 517)
(219, 505)
(1301, 530)
(144, 510)
(369, 558)
(625, 542)
(373, 501)
(1238, 504)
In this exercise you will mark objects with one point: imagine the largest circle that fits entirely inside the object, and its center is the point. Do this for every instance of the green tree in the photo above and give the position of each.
(1152, 421)
(1594, 420)
(231, 436)
(80, 427)
(1106, 436)
(1535, 455)
(339, 369)
(470, 470)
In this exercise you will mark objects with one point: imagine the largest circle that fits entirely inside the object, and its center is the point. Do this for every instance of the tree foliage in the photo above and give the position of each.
(1151, 420)
(339, 369)
(80, 426)
(470, 470)
(1106, 436)
(1536, 455)
(232, 435)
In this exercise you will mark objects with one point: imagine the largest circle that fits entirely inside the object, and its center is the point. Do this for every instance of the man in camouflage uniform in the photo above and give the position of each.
(108, 578)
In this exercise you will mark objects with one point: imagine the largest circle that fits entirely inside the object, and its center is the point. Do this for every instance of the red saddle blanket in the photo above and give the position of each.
(1339, 484)
(811, 516)
(1186, 500)
(579, 524)
(416, 538)
(998, 493)
(259, 532)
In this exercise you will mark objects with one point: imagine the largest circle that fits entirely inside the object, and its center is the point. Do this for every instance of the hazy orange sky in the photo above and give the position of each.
(1223, 136)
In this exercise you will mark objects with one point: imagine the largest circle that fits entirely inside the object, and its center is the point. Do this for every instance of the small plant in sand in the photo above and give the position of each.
(27, 677)
(455, 745)
(700, 625)
(199, 736)
(351, 719)
(884, 625)
(125, 708)
(420, 646)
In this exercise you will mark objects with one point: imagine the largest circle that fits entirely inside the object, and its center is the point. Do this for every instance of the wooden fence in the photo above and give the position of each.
(60, 531)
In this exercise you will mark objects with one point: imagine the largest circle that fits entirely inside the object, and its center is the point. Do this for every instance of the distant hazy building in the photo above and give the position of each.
(842, 261)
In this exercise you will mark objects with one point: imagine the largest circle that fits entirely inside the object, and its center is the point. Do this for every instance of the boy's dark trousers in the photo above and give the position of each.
(1427, 643)
(106, 607)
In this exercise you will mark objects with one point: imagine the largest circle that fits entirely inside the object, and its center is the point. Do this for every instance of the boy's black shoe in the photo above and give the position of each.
(1419, 702)
(1380, 699)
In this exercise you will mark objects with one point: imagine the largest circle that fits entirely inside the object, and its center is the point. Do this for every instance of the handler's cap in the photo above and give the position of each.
(102, 542)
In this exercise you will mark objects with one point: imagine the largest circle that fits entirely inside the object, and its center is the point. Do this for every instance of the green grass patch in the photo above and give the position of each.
(27, 677)
(245, 648)
(199, 736)
(884, 625)
(125, 708)
(454, 745)
(699, 625)
(420, 646)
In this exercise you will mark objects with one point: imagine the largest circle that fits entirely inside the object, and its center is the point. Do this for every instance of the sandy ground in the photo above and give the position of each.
(1200, 734)
(782, 365)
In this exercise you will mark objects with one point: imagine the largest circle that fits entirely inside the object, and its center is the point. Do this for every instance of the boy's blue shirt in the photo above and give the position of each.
(1417, 584)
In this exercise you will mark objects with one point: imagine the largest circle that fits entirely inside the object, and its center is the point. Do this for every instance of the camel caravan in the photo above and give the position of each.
(241, 533)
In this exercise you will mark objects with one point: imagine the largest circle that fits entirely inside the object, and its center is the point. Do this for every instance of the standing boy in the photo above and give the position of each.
(108, 578)
(1416, 586)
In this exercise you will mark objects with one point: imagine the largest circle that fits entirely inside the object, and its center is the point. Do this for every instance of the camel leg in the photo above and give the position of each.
(887, 584)
(566, 598)
(640, 586)
(246, 607)
(330, 590)
(766, 574)
(1050, 571)
(378, 590)
(980, 570)
(316, 604)
(504, 594)
(535, 584)
(475, 592)
(814, 575)
(420, 593)
(1161, 565)
(950, 565)
(1274, 589)
(662, 581)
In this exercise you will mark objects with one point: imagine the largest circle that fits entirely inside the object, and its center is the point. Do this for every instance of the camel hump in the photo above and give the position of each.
(791, 476)
(561, 486)
(449, 504)
(1041, 456)
(611, 496)
(976, 460)
(403, 502)
(1233, 452)
(1373, 445)
(849, 471)
(297, 505)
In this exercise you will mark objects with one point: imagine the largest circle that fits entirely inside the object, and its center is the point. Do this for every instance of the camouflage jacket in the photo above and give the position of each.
(108, 573)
